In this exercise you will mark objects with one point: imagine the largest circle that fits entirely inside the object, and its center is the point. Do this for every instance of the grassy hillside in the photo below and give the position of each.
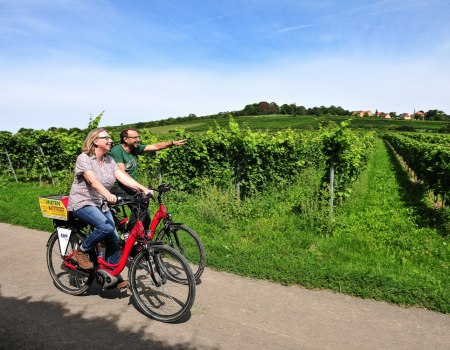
(280, 122)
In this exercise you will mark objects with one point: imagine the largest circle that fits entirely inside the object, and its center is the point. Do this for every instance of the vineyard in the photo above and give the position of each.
(236, 156)
(384, 243)
(428, 157)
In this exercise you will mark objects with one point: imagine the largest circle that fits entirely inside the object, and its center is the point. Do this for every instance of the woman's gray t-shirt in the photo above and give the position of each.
(82, 193)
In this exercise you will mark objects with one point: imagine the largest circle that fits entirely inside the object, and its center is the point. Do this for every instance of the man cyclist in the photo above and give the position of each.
(126, 153)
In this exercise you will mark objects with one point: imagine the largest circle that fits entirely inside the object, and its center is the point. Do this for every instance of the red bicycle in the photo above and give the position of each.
(161, 281)
(176, 235)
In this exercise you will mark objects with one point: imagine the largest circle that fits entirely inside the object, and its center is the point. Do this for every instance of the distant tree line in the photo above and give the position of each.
(254, 109)
(265, 108)
(434, 114)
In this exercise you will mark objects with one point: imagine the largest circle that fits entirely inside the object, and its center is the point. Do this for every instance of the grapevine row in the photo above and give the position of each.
(429, 161)
(438, 139)
(255, 159)
(238, 156)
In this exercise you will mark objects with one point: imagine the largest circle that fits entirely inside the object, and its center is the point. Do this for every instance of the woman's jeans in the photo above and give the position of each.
(104, 231)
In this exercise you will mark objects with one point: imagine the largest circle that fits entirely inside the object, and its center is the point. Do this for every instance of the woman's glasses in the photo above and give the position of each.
(105, 138)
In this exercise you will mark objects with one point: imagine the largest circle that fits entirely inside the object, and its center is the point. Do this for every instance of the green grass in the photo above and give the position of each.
(386, 243)
(19, 204)
(400, 256)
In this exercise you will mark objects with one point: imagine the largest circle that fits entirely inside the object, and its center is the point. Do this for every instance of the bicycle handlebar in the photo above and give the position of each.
(163, 188)
(140, 197)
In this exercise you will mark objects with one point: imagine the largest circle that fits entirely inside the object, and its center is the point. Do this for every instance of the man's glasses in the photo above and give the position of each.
(105, 138)
(133, 137)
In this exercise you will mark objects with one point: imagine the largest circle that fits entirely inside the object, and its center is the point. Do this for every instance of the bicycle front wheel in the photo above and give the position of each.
(188, 243)
(70, 281)
(157, 294)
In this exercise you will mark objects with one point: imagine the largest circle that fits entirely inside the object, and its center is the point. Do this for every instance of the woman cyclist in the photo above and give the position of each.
(95, 174)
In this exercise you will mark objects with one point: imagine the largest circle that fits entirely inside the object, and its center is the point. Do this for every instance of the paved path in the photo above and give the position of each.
(230, 312)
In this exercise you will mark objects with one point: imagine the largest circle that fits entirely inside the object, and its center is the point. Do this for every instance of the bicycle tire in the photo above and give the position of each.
(69, 281)
(188, 243)
(169, 301)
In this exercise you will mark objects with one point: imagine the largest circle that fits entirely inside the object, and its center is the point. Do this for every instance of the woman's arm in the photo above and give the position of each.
(128, 181)
(97, 185)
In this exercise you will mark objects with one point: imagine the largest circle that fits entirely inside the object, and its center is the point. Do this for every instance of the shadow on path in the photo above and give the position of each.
(27, 324)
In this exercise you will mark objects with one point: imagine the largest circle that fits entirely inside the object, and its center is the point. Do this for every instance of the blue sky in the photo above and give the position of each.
(63, 61)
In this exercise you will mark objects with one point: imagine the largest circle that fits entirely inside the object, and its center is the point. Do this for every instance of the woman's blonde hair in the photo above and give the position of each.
(88, 146)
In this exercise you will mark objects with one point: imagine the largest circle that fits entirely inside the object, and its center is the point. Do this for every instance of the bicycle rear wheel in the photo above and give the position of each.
(157, 293)
(188, 243)
(70, 281)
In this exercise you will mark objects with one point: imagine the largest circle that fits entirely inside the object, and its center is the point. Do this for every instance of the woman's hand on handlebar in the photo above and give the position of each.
(111, 198)
(149, 192)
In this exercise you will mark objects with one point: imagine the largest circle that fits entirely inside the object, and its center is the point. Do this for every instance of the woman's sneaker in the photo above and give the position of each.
(83, 260)
(122, 284)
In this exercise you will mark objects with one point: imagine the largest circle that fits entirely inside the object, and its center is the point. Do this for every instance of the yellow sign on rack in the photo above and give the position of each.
(54, 207)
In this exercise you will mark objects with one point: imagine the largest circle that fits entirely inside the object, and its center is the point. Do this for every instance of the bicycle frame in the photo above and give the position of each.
(136, 234)
(160, 214)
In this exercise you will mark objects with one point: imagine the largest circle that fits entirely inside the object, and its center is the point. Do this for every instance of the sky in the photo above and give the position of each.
(64, 61)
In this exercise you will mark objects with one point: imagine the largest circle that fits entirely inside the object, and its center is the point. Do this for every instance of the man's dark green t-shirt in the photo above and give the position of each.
(129, 160)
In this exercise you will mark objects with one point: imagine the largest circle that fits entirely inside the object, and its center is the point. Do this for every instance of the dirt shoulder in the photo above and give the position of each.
(230, 312)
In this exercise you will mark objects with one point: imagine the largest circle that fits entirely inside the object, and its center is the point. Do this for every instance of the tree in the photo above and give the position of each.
(434, 114)
(25, 131)
(314, 111)
(276, 108)
(440, 115)
(75, 130)
(287, 109)
(429, 115)
(250, 109)
(264, 108)
(300, 110)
